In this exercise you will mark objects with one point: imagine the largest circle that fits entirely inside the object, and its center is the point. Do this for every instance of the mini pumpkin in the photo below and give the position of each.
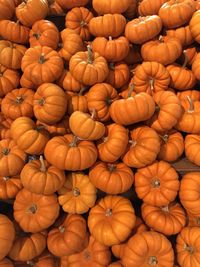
(192, 146)
(77, 102)
(196, 66)
(193, 94)
(157, 184)
(110, 6)
(78, 194)
(110, 213)
(183, 33)
(147, 7)
(143, 148)
(194, 26)
(9, 186)
(69, 4)
(9, 80)
(7, 9)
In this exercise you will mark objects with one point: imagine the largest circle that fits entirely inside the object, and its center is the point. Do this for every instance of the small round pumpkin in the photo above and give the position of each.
(7, 9)
(157, 184)
(69, 4)
(77, 102)
(110, 6)
(194, 26)
(9, 187)
(193, 94)
(113, 178)
(109, 214)
(148, 7)
(78, 194)
(192, 146)
(196, 66)
(183, 33)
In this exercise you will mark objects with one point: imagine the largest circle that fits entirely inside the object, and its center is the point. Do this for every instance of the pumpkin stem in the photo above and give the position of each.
(5, 151)
(191, 108)
(94, 114)
(42, 59)
(41, 101)
(155, 183)
(188, 248)
(160, 39)
(19, 100)
(74, 142)
(111, 167)
(166, 209)
(6, 178)
(130, 91)
(132, 142)
(108, 212)
(157, 108)
(111, 65)
(185, 59)
(76, 191)
(164, 137)
(153, 261)
(108, 101)
(40, 127)
(32, 209)
(90, 54)
(61, 229)
(87, 255)
(37, 35)
(110, 38)
(31, 263)
(151, 83)
(42, 167)
(60, 45)
(83, 90)
(83, 23)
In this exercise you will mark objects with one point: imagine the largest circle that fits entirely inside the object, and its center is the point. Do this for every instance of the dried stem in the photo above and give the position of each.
(90, 54)
(42, 167)
(191, 108)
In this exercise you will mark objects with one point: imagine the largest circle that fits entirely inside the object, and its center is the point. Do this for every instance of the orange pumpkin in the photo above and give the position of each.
(49, 103)
(60, 149)
(184, 34)
(6, 263)
(107, 25)
(148, 7)
(109, 214)
(157, 184)
(9, 187)
(113, 178)
(12, 158)
(69, 237)
(153, 249)
(191, 53)
(77, 102)
(25, 83)
(131, 10)
(40, 210)
(99, 98)
(143, 29)
(7, 9)
(196, 65)
(41, 64)
(143, 148)
(110, 6)
(18, 103)
(7, 235)
(30, 11)
(172, 146)
(169, 220)
(69, 4)
(28, 136)
(44, 33)
(78, 19)
(39, 177)
(192, 146)
(114, 144)
(55, 8)
(194, 26)
(127, 111)
(193, 94)
(85, 126)
(78, 194)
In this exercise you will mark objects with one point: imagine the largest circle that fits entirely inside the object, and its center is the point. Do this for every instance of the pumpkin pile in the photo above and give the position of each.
(93, 114)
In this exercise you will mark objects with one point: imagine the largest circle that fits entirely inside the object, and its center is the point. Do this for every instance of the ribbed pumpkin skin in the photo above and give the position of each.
(148, 7)
(192, 146)
(110, 6)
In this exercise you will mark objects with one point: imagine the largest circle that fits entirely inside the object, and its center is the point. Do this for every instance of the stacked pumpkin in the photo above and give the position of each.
(92, 119)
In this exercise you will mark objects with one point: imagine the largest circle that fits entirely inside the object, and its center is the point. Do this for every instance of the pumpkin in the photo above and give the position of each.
(189, 122)
(9, 80)
(40, 210)
(164, 50)
(14, 32)
(77, 102)
(78, 19)
(192, 220)
(61, 149)
(172, 146)
(69, 237)
(68, 4)
(99, 97)
(78, 194)
(131, 10)
(143, 29)
(147, 7)
(169, 111)
(191, 53)
(143, 148)
(27, 247)
(41, 64)
(119, 74)
(169, 220)
(28, 136)
(6, 263)
(109, 214)
(49, 103)
(113, 178)
(157, 184)
(9, 186)
(187, 246)
(84, 126)
(175, 13)
(88, 68)
(150, 77)
(112, 50)
(45, 259)
(195, 66)
(25, 83)
(39, 177)
(192, 145)
(132, 109)
(193, 94)
(71, 44)
(12, 158)
(7, 235)
(183, 34)
(194, 26)
(30, 11)
(134, 55)
(189, 193)
(11, 54)
(114, 144)
(118, 250)
(7, 9)
(18, 103)
(153, 249)
(107, 25)
(110, 6)
(55, 8)
(94, 253)
(44, 33)
(69, 83)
